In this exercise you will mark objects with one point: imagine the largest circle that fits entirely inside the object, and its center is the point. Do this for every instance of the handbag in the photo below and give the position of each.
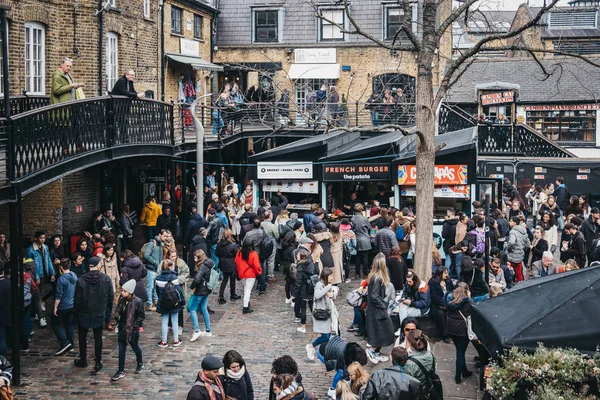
(433, 389)
(6, 393)
(470, 333)
(321, 314)
(354, 298)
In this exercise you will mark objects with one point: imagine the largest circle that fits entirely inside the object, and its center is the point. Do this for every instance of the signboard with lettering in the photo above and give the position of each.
(445, 191)
(284, 170)
(315, 56)
(189, 47)
(291, 186)
(443, 175)
(497, 98)
(563, 107)
(152, 176)
(374, 172)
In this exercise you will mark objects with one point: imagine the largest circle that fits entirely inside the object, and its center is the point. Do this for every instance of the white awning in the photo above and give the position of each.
(315, 71)
(196, 63)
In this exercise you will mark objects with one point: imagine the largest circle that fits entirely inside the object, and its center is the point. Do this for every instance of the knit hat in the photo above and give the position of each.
(210, 363)
(374, 211)
(215, 196)
(129, 286)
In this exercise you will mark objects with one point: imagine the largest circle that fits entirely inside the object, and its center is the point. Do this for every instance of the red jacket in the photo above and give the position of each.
(250, 268)
(98, 248)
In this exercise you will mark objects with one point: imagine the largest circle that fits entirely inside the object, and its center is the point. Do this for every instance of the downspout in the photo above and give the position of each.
(100, 45)
(162, 50)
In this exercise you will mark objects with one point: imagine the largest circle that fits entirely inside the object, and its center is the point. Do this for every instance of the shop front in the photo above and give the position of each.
(564, 122)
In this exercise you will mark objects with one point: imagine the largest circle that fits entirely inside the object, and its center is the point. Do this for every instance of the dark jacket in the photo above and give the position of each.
(93, 294)
(437, 294)
(380, 329)
(419, 297)
(123, 87)
(65, 290)
(334, 354)
(168, 222)
(479, 287)
(202, 277)
(397, 270)
(304, 272)
(449, 233)
(139, 314)
(306, 220)
(132, 268)
(560, 193)
(455, 323)
(590, 231)
(226, 251)
(198, 243)
(196, 222)
(199, 392)
(577, 249)
(5, 302)
(538, 250)
(161, 281)
(392, 383)
(215, 228)
(240, 389)
(385, 240)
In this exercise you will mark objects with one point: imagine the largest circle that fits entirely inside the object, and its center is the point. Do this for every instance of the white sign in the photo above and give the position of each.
(447, 191)
(285, 170)
(315, 56)
(311, 187)
(188, 24)
(438, 241)
(189, 47)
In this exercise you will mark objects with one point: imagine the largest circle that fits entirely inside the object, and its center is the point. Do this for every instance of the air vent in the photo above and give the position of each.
(572, 19)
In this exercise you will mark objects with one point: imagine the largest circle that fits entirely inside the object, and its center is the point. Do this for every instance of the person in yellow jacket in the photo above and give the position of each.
(150, 214)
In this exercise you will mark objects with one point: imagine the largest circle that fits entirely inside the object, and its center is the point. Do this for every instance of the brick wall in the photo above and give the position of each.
(80, 189)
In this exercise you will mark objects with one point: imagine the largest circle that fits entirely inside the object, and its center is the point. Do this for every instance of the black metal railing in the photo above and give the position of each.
(519, 139)
(49, 135)
(24, 103)
(453, 118)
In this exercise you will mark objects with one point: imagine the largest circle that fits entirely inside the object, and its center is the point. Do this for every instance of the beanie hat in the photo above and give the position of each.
(129, 286)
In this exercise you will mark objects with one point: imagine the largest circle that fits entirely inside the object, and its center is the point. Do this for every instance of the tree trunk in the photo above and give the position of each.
(425, 155)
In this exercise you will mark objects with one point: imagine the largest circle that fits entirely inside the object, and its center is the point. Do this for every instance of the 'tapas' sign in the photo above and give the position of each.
(374, 172)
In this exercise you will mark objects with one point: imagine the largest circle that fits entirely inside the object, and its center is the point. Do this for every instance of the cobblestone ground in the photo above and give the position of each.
(260, 337)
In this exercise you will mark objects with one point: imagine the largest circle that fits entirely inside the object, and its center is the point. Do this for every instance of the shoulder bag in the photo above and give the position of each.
(433, 390)
(470, 333)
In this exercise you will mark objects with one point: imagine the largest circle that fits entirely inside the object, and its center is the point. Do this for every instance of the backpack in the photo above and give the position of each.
(310, 284)
(433, 389)
(266, 246)
(373, 233)
(213, 281)
(6, 393)
(143, 251)
(171, 298)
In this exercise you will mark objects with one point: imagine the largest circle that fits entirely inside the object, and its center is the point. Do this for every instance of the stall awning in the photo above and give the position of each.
(196, 63)
(314, 71)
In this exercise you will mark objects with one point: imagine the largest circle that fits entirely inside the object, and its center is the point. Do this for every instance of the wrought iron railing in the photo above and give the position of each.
(452, 118)
(519, 139)
(49, 135)
(24, 103)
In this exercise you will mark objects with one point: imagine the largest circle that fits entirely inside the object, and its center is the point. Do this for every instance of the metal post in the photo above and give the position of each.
(356, 114)
(184, 209)
(173, 197)
(199, 156)
(16, 278)
(487, 238)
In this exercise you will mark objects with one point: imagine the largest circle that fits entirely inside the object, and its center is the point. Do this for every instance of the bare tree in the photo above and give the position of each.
(425, 45)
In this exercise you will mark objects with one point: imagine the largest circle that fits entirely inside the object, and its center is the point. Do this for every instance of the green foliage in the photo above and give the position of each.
(553, 373)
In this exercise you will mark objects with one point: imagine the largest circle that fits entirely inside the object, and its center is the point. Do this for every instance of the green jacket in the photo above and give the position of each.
(61, 89)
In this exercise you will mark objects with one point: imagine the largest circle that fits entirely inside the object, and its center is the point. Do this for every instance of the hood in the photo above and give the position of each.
(92, 277)
(198, 239)
(71, 277)
(196, 217)
(29, 265)
(520, 229)
(451, 221)
(345, 227)
(158, 241)
(132, 262)
(322, 236)
(152, 206)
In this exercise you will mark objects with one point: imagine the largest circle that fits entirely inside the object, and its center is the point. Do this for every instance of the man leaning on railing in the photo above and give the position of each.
(124, 86)
(62, 86)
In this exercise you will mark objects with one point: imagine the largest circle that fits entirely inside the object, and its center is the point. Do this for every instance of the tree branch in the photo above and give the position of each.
(404, 130)
(454, 16)
(407, 27)
(440, 146)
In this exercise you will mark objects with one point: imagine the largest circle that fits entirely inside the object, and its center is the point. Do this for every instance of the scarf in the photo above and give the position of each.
(290, 390)
(236, 375)
(209, 389)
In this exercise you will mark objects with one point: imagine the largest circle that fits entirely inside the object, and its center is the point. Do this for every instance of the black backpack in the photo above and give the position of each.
(433, 389)
(171, 298)
(266, 246)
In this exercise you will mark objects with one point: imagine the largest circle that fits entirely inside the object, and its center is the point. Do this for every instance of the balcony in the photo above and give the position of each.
(520, 140)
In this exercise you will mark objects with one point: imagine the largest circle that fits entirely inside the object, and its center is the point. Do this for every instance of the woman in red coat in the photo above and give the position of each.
(248, 268)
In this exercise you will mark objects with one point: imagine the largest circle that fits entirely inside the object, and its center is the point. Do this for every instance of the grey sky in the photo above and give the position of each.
(513, 4)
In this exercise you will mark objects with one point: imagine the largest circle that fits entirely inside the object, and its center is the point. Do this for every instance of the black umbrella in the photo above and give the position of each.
(561, 310)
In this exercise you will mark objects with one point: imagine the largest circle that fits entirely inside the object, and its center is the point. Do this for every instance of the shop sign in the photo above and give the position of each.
(584, 170)
(497, 98)
(152, 176)
(563, 107)
(311, 187)
(446, 191)
(443, 175)
(315, 56)
(582, 177)
(497, 176)
(189, 47)
(520, 119)
(378, 172)
(540, 177)
(285, 170)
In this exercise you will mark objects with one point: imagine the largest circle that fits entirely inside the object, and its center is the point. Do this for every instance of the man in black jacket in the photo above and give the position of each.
(93, 296)
(209, 376)
(196, 222)
(392, 382)
(449, 234)
(575, 247)
(590, 228)
(124, 86)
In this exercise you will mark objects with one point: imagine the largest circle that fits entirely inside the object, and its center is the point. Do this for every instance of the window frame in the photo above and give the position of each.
(112, 66)
(198, 17)
(113, 3)
(29, 64)
(180, 10)
(322, 22)
(386, 14)
(277, 25)
(147, 9)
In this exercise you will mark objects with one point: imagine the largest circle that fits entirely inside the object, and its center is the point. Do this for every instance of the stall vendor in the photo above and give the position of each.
(381, 197)
(350, 203)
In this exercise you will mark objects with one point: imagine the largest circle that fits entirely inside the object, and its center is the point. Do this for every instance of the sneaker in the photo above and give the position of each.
(177, 343)
(235, 297)
(288, 301)
(352, 328)
(43, 307)
(348, 280)
(33, 332)
(293, 304)
(162, 344)
(63, 350)
(331, 393)
(261, 293)
(195, 336)
(180, 330)
(206, 333)
(398, 332)
(297, 320)
(222, 301)
(98, 366)
(26, 350)
(140, 368)
(301, 330)
(72, 349)
(310, 352)
(150, 308)
(381, 357)
(35, 318)
(372, 356)
(43, 322)
(247, 310)
(81, 363)
(118, 375)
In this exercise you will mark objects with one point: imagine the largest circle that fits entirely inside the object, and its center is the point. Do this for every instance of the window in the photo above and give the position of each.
(35, 58)
(176, 17)
(394, 17)
(329, 29)
(146, 8)
(198, 22)
(112, 60)
(266, 26)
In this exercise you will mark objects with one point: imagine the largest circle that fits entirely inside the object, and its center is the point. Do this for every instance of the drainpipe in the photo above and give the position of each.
(162, 50)
(100, 45)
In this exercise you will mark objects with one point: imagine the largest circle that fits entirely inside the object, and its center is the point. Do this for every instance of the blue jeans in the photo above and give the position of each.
(193, 305)
(150, 232)
(151, 288)
(461, 343)
(457, 265)
(135, 337)
(213, 255)
(324, 338)
(374, 118)
(165, 326)
(448, 261)
(63, 327)
(262, 278)
(359, 320)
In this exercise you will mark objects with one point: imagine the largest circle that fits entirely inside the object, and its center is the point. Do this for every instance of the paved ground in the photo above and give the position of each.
(260, 337)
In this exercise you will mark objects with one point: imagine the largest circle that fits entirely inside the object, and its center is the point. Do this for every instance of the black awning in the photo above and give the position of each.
(256, 66)
(464, 139)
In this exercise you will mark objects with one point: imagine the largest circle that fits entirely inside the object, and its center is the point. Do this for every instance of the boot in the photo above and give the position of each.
(222, 300)
(247, 310)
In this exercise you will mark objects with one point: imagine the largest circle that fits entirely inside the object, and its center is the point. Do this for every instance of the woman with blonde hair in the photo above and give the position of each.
(436, 259)
(344, 392)
(380, 329)
(359, 378)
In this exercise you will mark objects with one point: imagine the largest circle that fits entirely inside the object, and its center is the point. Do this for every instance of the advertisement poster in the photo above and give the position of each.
(449, 192)
(311, 187)
(443, 175)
